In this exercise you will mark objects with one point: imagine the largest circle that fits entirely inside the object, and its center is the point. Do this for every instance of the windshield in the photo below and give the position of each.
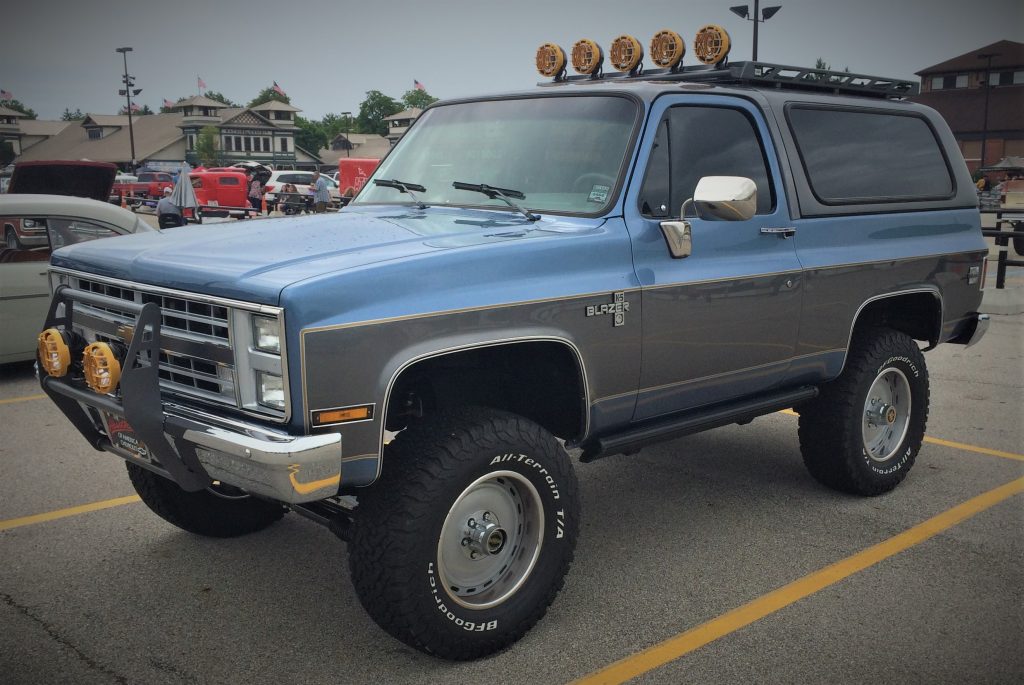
(564, 154)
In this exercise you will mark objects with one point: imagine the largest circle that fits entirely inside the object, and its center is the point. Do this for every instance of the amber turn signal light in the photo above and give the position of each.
(587, 57)
(327, 417)
(711, 44)
(102, 370)
(550, 60)
(667, 49)
(54, 353)
(626, 53)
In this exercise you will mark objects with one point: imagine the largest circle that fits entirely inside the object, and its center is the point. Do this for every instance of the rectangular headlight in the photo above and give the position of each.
(270, 390)
(266, 334)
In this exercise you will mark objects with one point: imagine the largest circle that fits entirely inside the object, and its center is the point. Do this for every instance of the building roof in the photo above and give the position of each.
(43, 127)
(153, 133)
(199, 101)
(8, 112)
(108, 119)
(411, 113)
(964, 108)
(277, 106)
(1010, 55)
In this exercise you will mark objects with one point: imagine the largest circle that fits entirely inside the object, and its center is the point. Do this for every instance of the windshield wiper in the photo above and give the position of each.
(499, 193)
(404, 187)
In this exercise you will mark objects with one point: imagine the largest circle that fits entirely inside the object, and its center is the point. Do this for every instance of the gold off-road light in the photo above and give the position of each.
(102, 370)
(711, 45)
(54, 353)
(626, 53)
(587, 57)
(550, 60)
(667, 49)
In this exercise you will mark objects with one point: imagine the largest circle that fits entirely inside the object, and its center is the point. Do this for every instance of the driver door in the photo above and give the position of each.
(722, 322)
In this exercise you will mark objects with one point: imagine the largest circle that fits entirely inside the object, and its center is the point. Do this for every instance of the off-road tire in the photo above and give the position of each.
(11, 239)
(433, 474)
(203, 512)
(833, 426)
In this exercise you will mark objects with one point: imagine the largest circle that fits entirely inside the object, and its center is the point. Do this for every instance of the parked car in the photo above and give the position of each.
(24, 288)
(225, 189)
(301, 181)
(598, 263)
(76, 178)
(148, 185)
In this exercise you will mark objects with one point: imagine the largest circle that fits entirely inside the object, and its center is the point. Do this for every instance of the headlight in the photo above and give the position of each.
(270, 390)
(266, 334)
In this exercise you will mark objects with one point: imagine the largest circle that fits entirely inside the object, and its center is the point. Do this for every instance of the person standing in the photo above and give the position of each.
(255, 191)
(321, 193)
(168, 214)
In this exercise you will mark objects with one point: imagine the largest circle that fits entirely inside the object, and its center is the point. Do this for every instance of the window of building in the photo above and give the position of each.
(961, 81)
(1018, 77)
(95, 134)
(284, 145)
(857, 156)
(266, 144)
(248, 143)
(1006, 78)
(693, 142)
(227, 144)
(191, 142)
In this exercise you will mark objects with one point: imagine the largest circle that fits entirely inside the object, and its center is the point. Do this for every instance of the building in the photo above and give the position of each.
(358, 145)
(10, 129)
(987, 81)
(399, 123)
(264, 133)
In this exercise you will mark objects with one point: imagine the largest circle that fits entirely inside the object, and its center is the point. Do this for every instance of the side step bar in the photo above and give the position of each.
(678, 425)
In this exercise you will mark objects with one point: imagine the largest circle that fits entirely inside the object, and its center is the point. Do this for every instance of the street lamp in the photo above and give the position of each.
(988, 89)
(348, 127)
(742, 11)
(128, 91)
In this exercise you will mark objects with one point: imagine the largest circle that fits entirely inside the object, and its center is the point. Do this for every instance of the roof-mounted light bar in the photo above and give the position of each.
(711, 45)
(667, 49)
(587, 57)
(626, 53)
(551, 60)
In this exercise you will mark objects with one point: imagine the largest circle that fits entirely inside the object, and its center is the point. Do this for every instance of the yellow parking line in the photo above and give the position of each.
(950, 443)
(64, 513)
(684, 643)
(26, 398)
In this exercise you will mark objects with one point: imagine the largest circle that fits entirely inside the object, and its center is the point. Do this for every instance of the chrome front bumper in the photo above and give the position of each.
(191, 447)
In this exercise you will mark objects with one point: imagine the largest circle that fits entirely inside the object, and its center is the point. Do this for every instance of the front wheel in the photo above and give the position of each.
(11, 239)
(465, 540)
(862, 433)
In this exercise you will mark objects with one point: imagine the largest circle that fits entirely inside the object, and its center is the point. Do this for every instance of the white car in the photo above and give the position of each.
(301, 181)
(24, 285)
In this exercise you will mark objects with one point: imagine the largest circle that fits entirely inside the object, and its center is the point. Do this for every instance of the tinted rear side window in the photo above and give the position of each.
(228, 181)
(865, 156)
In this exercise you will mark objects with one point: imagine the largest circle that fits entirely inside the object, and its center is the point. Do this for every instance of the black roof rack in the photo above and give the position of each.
(761, 74)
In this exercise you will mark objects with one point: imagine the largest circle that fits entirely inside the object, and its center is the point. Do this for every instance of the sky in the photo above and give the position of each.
(326, 54)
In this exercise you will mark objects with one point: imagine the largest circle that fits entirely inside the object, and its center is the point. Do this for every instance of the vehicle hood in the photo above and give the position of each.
(255, 260)
(93, 180)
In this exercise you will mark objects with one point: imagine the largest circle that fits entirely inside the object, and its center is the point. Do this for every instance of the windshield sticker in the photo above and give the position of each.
(598, 193)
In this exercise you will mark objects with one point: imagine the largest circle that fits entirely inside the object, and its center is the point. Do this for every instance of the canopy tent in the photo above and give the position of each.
(1006, 164)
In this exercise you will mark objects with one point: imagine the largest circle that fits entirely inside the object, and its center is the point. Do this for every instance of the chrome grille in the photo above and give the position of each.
(195, 355)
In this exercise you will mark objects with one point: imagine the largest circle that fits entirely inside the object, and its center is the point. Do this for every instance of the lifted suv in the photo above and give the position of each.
(597, 263)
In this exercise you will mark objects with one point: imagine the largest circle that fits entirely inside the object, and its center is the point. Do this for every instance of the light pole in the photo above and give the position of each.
(348, 127)
(742, 11)
(128, 91)
(988, 89)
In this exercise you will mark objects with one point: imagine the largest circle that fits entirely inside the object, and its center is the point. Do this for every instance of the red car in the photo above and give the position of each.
(225, 189)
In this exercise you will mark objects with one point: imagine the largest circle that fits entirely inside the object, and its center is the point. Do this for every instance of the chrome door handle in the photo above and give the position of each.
(785, 232)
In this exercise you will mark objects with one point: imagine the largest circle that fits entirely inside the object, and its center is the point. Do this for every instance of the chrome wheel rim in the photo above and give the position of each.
(886, 414)
(490, 540)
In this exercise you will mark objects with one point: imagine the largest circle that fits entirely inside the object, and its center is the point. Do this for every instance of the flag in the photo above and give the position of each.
(417, 85)
(135, 107)
(168, 103)
(6, 94)
(277, 89)
(201, 83)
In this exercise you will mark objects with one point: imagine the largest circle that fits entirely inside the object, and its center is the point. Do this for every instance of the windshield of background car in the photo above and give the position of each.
(565, 154)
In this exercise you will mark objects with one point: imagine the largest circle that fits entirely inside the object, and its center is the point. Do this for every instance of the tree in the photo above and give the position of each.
(311, 136)
(214, 95)
(419, 99)
(139, 112)
(268, 94)
(68, 115)
(16, 105)
(374, 109)
(206, 145)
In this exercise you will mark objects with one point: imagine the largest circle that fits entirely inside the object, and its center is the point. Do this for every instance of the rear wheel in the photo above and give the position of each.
(11, 239)
(220, 511)
(862, 433)
(465, 540)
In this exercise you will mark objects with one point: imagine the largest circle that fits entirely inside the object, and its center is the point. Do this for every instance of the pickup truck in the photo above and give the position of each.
(149, 186)
(595, 264)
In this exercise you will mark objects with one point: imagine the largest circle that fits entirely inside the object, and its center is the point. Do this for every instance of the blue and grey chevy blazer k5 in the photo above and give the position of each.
(597, 264)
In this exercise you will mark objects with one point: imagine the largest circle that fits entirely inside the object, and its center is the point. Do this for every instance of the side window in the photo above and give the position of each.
(693, 142)
(228, 181)
(856, 156)
(70, 231)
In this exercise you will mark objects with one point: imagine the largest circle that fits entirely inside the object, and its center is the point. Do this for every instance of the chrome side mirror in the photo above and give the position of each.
(725, 198)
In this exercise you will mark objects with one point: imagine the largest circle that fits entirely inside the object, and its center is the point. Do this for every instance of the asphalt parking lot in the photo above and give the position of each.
(718, 550)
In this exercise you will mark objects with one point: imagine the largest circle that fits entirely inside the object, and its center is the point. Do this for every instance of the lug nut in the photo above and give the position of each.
(472, 523)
